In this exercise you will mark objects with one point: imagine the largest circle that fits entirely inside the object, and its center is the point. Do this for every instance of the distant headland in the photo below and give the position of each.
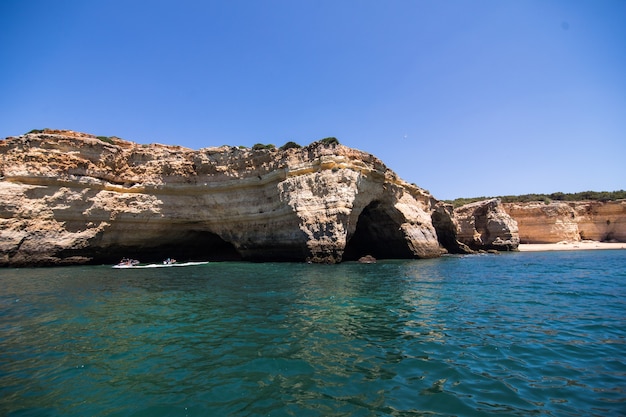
(74, 198)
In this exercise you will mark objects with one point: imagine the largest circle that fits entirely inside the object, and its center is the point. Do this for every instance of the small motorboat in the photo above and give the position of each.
(127, 263)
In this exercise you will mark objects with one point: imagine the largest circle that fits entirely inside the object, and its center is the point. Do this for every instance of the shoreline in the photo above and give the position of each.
(564, 245)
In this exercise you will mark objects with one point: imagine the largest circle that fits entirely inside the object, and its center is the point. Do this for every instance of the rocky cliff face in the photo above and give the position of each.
(569, 221)
(486, 225)
(67, 197)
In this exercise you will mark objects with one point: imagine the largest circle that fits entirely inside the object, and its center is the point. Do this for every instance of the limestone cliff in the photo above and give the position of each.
(485, 225)
(569, 221)
(68, 198)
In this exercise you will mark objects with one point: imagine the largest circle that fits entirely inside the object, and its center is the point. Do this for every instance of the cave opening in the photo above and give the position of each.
(377, 234)
(186, 245)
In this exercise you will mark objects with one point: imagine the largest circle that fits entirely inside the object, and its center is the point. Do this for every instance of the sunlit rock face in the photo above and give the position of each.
(70, 198)
(447, 227)
(569, 221)
(484, 225)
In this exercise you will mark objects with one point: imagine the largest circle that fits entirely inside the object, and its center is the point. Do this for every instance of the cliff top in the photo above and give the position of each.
(61, 154)
(547, 198)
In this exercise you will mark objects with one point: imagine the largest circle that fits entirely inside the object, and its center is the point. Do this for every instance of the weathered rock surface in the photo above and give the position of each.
(569, 221)
(68, 198)
(447, 227)
(484, 225)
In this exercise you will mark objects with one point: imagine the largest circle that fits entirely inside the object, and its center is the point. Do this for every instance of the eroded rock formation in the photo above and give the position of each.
(68, 198)
(447, 227)
(569, 221)
(485, 225)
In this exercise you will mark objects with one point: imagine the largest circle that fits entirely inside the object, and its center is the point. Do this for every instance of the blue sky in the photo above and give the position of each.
(463, 98)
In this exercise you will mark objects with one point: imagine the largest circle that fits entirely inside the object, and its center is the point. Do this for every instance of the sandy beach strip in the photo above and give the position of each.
(583, 245)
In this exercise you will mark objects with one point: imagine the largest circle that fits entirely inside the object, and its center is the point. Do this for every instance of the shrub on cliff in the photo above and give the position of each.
(107, 139)
(260, 146)
(290, 145)
(330, 141)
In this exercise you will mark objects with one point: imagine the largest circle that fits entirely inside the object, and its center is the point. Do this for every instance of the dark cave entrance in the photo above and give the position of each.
(377, 234)
(187, 245)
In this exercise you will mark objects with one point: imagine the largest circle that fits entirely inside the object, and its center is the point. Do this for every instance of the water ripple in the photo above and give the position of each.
(519, 334)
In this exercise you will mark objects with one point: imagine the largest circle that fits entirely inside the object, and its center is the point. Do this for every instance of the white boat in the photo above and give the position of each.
(162, 265)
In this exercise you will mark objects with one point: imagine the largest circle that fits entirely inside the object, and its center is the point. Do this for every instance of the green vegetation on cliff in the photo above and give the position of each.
(547, 198)
(331, 141)
(107, 139)
(290, 145)
(260, 146)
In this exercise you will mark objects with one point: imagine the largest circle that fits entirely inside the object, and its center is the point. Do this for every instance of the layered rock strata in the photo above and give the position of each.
(69, 198)
(569, 221)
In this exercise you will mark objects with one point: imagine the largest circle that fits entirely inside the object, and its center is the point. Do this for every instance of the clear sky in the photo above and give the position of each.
(463, 98)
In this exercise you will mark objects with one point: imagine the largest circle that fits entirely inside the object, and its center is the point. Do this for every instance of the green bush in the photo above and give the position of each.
(290, 145)
(260, 146)
(463, 201)
(107, 139)
(330, 141)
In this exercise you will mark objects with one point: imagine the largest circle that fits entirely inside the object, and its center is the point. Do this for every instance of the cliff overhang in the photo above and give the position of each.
(71, 198)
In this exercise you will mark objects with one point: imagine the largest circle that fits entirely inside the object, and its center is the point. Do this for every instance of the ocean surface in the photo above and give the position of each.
(516, 334)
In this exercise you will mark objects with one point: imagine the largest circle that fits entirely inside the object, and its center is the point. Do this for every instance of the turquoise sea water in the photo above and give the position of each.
(513, 334)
